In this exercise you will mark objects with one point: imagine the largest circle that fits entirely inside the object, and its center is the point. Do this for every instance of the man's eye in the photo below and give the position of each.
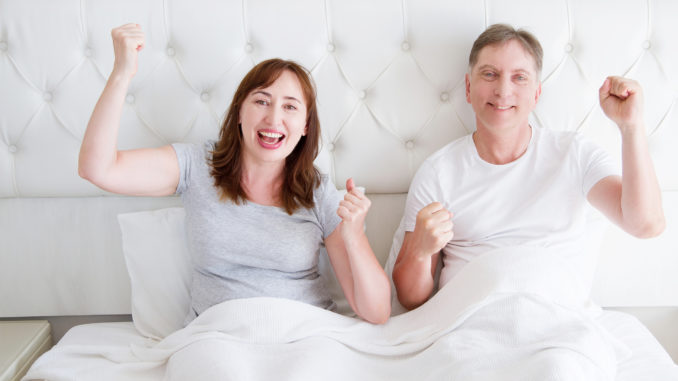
(489, 74)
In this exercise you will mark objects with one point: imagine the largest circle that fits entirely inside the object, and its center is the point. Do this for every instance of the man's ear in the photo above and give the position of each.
(467, 80)
(537, 93)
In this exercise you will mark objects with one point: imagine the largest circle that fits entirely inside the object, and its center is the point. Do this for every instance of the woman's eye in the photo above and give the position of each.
(262, 102)
(290, 107)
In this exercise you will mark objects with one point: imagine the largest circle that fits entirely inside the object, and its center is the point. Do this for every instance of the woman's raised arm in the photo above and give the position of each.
(147, 171)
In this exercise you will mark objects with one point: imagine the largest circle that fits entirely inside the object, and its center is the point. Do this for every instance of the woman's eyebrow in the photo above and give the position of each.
(288, 97)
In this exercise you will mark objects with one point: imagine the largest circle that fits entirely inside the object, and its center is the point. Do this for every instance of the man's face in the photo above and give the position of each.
(503, 87)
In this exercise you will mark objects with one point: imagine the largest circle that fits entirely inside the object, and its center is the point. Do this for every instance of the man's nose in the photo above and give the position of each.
(503, 87)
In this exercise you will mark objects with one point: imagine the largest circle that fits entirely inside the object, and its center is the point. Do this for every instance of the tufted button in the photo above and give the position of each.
(569, 48)
(330, 147)
(444, 96)
(3, 46)
(362, 94)
(249, 48)
(47, 96)
(405, 46)
(647, 44)
(331, 47)
(409, 144)
(205, 96)
(170, 51)
(12, 148)
(129, 98)
(88, 52)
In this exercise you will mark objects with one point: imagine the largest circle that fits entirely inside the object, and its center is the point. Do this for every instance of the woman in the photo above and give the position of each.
(257, 209)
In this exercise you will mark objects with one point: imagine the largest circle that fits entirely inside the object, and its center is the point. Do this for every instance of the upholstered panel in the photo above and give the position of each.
(390, 79)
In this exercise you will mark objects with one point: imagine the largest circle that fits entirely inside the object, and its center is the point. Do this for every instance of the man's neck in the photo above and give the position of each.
(502, 147)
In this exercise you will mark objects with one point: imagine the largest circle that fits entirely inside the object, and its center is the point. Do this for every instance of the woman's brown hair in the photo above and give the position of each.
(301, 178)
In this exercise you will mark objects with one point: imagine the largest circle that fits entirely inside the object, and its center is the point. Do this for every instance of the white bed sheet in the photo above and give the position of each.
(648, 362)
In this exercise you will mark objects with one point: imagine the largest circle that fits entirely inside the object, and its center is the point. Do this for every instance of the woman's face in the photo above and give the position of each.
(273, 120)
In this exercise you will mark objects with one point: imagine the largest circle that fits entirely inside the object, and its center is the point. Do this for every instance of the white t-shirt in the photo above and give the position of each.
(537, 200)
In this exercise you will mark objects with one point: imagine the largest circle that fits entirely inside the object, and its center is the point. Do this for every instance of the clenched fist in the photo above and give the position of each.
(128, 40)
(433, 229)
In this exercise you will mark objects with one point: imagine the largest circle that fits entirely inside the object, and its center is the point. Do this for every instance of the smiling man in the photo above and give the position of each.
(512, 184)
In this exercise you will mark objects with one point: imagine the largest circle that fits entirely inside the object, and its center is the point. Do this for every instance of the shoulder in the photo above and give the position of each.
(191, 149)
(552, 141)
(448, 155)
(325, 187)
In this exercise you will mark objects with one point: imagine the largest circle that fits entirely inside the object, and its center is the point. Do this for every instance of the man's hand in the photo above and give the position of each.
(433, 229)
(622, 101)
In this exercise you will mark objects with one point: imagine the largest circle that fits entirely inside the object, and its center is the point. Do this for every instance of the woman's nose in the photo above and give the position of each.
(274, 115)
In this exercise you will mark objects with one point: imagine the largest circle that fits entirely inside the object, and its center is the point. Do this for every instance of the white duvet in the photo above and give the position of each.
(512, 314)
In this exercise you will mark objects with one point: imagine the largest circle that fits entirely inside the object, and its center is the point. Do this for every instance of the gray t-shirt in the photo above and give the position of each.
(249, 250)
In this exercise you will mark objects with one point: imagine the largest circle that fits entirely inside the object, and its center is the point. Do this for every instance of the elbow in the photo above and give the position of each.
(409, 303)
(407, 297)
(381, 316)
(86, 172)
(83, 173)
(378, 311)
(650, 228)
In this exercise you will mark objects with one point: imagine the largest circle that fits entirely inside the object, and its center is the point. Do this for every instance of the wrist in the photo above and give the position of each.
(632, 129)
(120, 77)
(352, 237)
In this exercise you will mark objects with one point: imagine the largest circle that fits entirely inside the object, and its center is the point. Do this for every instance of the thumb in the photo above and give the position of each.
(349, 185)
(604, 91)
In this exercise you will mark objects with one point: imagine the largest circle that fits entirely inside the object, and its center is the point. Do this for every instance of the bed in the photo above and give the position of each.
(390, 86)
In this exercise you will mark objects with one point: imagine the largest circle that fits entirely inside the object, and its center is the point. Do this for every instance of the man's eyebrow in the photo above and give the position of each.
(518, 70)
(487, 66)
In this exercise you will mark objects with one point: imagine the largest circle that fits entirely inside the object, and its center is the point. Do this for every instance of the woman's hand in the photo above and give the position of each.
(353, 210)
(128, 40)
(362, 278)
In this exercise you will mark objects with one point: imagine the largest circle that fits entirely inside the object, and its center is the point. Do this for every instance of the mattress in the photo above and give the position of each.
(649, 361)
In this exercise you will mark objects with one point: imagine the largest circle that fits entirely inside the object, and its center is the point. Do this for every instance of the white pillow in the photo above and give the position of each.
(159, 265)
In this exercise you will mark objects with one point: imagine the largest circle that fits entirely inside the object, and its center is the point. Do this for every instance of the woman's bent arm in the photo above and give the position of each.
(149, 171)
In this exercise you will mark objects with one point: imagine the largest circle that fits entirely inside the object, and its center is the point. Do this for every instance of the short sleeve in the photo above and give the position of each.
(594, 162)
(424, 190)
(327, 199)
(190, 158)
(184, 158)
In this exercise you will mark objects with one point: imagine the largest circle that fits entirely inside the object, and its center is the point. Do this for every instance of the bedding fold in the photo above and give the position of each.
(512, 314)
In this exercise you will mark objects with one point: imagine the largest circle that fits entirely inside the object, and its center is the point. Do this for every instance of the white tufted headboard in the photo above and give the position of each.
(389, 75)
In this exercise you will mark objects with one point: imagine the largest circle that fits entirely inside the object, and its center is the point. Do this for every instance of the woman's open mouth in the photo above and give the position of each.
(270, 139)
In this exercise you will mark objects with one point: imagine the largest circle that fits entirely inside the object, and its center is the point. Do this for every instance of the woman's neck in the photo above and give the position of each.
(262, 182)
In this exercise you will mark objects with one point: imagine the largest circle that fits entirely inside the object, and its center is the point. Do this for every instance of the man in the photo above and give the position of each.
(510, 184)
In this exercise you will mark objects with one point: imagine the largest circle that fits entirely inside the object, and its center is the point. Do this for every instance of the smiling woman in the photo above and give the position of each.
(257, 209)
(269, 128)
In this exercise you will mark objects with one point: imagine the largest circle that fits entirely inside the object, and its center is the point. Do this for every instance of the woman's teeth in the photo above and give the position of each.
(274, 135)
(270, 137)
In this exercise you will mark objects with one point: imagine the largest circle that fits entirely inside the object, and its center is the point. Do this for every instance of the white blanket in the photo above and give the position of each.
(514, 314)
